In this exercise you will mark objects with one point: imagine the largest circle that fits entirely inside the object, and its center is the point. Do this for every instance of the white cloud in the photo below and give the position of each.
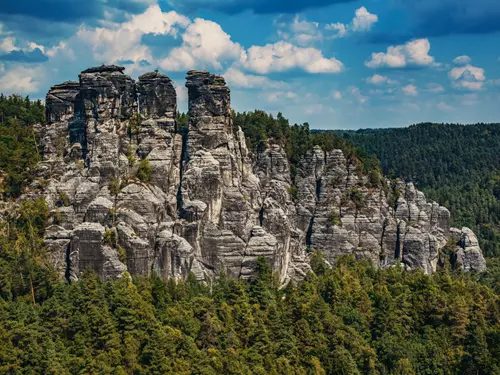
(462, 60)
(20, 80)
(378, 79)
(181, 91)
(281, 56)
(444, 107)
(61, 49)
(410, 90)
(467, 77)
(339, 28)
(276, 95)
(237, 78)
(356, 94)
(7, 44)
(124, 41)
(300, 32)
(364, 20)
(415, 52)
(204, 44)
(434, 88)
(337, 95)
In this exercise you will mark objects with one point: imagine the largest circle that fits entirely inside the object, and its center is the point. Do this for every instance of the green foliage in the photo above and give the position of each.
(122, 254)
(63, 200)
(19, 151)
(182, 122)
(261, 128)
(145, 172)
(135, 125)
(24, 272)
(130, 157)
(293, 191)
(455, 165)
(356, 196)
(111, 237)
(114, 186)
(350, 319)
(334, 218)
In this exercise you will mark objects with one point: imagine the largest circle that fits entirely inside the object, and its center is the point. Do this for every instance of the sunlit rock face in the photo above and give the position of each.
(210, 205)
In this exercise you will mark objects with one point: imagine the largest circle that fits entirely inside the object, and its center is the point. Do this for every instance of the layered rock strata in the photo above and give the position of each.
(210, 205)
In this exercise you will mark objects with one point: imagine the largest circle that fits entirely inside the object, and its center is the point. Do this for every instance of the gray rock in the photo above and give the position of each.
(212, 205)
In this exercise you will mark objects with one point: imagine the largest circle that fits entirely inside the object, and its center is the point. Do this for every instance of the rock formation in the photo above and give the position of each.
(210, 204)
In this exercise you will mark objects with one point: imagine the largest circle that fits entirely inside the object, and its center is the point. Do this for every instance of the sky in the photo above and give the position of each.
(336, 64)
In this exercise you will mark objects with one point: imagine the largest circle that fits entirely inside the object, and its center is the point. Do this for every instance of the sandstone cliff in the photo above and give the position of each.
(210, 204)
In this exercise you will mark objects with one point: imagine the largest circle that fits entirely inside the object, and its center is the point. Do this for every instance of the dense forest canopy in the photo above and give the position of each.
(455, 165)
(19, 150)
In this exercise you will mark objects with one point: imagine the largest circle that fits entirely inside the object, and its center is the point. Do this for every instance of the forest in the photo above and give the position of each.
(456, 165)
(348, 319)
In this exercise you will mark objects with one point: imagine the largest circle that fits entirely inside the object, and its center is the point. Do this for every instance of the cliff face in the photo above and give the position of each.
(210, 204)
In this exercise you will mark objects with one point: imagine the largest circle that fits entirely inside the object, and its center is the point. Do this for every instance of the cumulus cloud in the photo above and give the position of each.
(204, 44)
(237, 78)
(462, 60)
(300, 31)
(467, 77)
(378, 79)
(29, 52)
(20, 80)
(362, 22)
(281, 56)
(7, 44)
(413, 53)
(124, 41)
(410, 90)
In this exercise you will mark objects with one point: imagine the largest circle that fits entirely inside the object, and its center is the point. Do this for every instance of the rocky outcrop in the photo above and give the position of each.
(208, 204)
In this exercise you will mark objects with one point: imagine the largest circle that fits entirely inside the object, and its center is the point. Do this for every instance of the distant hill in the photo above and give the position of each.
(456, 165)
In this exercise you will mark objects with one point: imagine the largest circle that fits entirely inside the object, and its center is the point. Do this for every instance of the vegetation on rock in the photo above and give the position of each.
(456, 165)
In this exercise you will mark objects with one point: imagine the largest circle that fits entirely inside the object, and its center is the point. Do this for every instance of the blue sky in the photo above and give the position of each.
(333, 63)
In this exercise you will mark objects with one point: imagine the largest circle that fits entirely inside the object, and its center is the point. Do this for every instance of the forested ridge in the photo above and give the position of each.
(349, 319)
(456, 165)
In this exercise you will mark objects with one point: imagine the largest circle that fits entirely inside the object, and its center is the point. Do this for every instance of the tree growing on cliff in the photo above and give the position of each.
(145, 172)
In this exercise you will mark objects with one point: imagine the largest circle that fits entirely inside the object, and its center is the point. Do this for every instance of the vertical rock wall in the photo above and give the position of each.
(210, 204)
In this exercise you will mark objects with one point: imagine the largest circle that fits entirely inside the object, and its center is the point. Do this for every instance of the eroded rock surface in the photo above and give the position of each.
(210, 205)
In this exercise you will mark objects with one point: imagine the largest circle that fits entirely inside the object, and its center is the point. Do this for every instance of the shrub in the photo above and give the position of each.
(134, 125)
(334, 218)
(145, 172)
(130, 157)
(110, 238)
(62, 200)
(114, 186)
(293, 191)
